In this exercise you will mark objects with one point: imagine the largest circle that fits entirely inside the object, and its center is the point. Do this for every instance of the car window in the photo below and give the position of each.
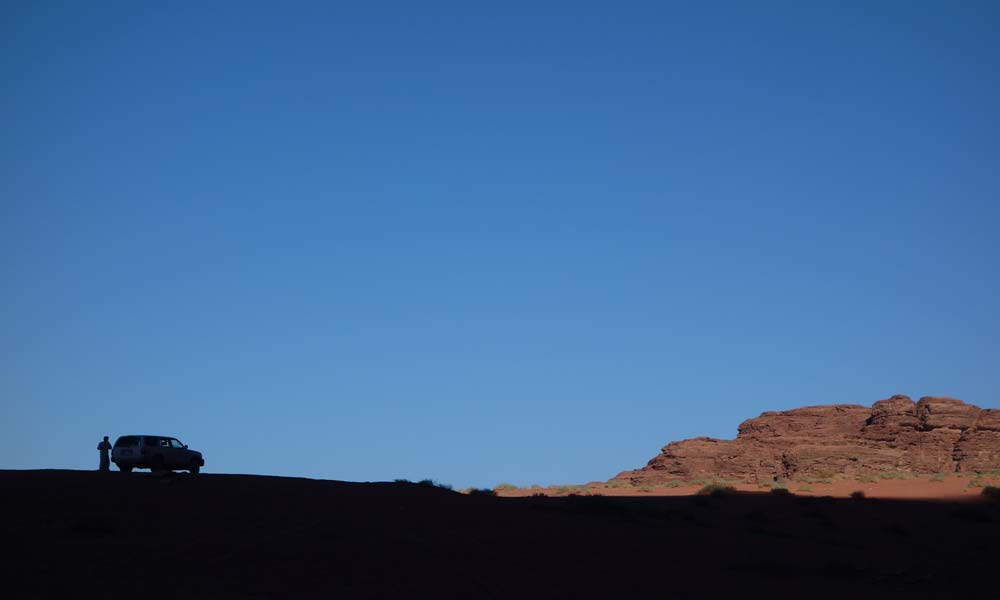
(164, 443)
(127, 440)
(152, 441)
(175, 443)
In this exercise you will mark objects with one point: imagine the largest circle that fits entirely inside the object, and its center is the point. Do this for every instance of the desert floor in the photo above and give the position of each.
(938, 487)
(71, 534)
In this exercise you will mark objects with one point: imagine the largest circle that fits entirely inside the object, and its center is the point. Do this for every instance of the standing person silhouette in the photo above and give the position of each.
(104, 447)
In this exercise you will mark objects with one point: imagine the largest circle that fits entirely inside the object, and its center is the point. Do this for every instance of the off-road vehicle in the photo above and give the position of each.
(155, 452)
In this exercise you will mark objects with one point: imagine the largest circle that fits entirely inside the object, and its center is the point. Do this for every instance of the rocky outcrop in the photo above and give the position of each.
(978, 447)
(933, 435)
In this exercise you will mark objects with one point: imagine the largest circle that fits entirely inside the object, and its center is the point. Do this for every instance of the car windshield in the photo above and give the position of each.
(175, 443)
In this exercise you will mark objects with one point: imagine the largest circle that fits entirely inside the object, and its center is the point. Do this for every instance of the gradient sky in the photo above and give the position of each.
(523, 242)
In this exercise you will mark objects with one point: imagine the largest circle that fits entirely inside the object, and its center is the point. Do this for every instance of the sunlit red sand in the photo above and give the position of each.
(931, 487)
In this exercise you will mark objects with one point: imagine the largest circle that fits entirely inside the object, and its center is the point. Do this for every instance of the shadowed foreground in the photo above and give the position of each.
(83, 534)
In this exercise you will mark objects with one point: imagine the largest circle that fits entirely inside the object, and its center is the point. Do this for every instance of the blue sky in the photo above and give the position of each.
(524, 242)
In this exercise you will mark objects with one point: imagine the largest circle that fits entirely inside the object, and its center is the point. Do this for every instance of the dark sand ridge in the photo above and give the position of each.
(112, 535)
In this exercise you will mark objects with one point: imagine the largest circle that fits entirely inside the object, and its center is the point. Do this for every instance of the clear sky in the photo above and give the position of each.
(486, 242)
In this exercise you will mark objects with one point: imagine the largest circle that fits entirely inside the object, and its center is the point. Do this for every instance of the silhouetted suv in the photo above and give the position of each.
(155, 452)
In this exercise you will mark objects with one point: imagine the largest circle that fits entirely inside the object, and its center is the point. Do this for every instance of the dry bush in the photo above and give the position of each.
(715, 489)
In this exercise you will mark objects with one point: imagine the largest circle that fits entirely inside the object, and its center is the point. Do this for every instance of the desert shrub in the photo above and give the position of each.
(814, 479)
(481, 492)
(858, 495)
(562, 490)
(867, 478)
(539, 495)
(991, 492)
(825, 474)
(805, 488)
(646, 488)
(977, 483)
(535, 486)
(432, 483)
(505, 487)
(780, 491)
(715, 489)
(673, 483)
(938, 477)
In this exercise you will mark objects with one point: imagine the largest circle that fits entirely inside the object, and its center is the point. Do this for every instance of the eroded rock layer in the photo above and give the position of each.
(934, 435)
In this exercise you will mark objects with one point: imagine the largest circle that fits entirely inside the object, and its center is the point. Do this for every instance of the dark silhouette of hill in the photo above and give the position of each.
(71, 534)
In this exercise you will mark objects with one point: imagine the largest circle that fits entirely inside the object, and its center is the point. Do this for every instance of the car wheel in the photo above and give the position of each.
(124, 469)
(195, 468)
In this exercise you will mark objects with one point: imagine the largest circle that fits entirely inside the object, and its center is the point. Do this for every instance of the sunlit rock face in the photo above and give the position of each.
(934, 435)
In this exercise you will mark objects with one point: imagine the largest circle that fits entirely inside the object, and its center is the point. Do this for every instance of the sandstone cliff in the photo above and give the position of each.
(934, 435)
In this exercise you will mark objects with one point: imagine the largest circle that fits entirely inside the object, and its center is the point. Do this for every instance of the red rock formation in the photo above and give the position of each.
(978, 447)
(933, 435)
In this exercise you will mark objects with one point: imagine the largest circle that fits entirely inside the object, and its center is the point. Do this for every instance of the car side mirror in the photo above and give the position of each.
(185, 446)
